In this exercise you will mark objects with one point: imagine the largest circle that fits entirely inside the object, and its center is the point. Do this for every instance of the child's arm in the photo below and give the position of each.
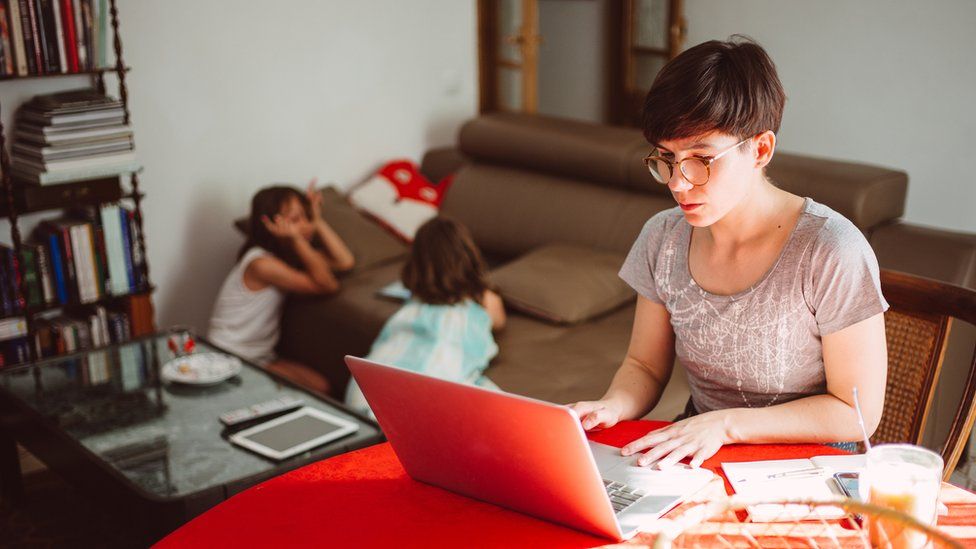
(492, 302)
(317, 277)
(341, 257)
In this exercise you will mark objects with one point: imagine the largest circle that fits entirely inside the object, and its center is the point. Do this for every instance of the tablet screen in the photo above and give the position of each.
(291, 433)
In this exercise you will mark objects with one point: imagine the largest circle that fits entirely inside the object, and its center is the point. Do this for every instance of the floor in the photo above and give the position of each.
(55, 515)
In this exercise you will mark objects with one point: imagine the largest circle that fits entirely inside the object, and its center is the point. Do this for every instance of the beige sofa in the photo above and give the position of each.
(525, 181)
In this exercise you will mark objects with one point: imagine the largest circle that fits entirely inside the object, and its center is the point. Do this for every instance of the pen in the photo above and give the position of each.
(812, 471)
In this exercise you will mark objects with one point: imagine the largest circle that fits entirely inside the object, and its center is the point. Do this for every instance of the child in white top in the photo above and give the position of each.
(278, 258)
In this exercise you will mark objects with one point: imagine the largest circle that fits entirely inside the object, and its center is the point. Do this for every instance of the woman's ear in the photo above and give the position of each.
(765, 146)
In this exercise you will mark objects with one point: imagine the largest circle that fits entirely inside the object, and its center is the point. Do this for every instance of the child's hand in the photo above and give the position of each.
(314, 199)
(281, 227)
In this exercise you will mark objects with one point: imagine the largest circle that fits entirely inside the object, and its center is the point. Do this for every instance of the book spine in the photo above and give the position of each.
(87, 19)
(97, 284)
(103, 40)
(44, 273)
(81, 51)
(31, 279)
(138, 260)
(6, 38)
(32, 48)
(101, 257)
(112, 230)
(47, 39)
(17, 35)
(84, 266)
(20, 300)
(5, 302)
(71, 279)
(70, 36)
(57, 265)
(59, 36)
(127, 248)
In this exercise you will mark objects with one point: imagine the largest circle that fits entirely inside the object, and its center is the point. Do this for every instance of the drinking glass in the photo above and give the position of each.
(906, 478)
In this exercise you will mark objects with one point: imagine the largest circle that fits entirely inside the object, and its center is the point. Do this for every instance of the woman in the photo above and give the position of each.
(771, 301)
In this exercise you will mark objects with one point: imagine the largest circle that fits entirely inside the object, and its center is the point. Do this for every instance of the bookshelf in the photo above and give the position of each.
(19, 198)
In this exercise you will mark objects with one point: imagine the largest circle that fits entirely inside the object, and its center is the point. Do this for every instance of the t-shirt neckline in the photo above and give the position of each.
(686, 255)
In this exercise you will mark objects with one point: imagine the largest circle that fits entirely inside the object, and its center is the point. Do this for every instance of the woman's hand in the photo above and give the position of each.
(281, 227)
(314, 200)
(699, 437)
(601, 414)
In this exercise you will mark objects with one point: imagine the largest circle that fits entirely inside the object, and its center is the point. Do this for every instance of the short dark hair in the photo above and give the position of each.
(268, 202)
(445, 265)
(729, 86)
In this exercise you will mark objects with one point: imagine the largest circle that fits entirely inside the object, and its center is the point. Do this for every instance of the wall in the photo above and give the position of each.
(227, 97)
(572, 59)
(875, 81)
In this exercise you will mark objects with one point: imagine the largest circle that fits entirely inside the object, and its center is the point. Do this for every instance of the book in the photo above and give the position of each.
(82, 150)
(70, 38)
(32, 281)
(114, 249)
(81, 174)
(130, 276)
(17, 36)
(80, 37)
(765, 481)
(8, 65)
(72, 164)
(12, 327)
(138, 259)
(32, 36)
(84, 257)
(59, 36)
(6, 286)
(48, 38)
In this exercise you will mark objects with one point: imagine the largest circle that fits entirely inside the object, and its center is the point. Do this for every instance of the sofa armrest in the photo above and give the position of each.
(441, 162)
(934, 253)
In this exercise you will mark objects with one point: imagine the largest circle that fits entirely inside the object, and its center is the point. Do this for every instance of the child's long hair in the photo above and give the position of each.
(268, 202)
(445, 265)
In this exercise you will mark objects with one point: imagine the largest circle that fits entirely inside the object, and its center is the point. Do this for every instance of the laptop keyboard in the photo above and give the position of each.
(621, 495)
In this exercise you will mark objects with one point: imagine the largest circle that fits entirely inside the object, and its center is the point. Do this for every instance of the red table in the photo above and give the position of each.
(365, 499)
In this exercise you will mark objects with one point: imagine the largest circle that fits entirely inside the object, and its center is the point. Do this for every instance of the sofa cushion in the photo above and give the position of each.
(606, 155)
(400, 197)
(369, 243)
(511, 211)
(933, 253)
(563, 284)
(867, 195)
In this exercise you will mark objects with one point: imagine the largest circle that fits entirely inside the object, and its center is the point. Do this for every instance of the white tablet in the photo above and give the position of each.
(293, 433)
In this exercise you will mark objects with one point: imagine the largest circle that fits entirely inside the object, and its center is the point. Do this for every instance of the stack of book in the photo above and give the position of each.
(53, 36)
(71, 136)
(86, 329)
(13, 341)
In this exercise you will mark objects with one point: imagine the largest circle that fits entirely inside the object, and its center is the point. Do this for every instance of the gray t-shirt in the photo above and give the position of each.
(761, 346)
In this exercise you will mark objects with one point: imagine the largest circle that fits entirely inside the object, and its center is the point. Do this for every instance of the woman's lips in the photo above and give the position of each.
(688, 207)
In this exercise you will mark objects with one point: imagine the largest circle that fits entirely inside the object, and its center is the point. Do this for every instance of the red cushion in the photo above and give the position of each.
(400, 197)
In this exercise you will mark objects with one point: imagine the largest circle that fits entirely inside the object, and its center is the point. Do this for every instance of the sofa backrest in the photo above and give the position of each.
(530, 180)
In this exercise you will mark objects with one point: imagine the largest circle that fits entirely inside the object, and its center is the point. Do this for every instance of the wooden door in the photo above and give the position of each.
(644, 35)
(508, 55)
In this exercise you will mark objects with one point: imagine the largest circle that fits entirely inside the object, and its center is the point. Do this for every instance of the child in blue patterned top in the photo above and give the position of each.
(445, 328)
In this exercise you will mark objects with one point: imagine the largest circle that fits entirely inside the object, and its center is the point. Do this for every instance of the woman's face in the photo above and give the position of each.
(293, 212)
(730, 180)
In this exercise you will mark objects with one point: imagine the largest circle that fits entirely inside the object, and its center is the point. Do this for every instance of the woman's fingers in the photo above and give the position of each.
(652, 439)
(703, 453)
(659, 451)
(601, 417)
(678, 454)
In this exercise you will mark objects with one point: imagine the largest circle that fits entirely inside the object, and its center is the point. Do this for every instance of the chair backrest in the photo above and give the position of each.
(917, 327)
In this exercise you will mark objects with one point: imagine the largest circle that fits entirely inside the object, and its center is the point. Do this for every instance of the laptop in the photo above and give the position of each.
(520, 453)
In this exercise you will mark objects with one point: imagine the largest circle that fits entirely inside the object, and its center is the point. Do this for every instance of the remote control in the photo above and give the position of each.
(260, 410)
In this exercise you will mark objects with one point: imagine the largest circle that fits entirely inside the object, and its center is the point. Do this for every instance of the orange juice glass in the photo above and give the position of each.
(905, 478)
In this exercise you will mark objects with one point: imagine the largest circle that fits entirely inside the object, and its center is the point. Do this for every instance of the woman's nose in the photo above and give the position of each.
(678, 182)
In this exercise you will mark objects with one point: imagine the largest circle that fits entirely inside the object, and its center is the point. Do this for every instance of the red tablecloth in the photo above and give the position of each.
(365, 499)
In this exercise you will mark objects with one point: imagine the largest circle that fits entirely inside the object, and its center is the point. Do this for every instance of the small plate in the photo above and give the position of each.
(201, 368)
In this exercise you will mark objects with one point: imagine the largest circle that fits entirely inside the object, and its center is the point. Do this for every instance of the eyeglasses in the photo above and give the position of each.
(695, 169)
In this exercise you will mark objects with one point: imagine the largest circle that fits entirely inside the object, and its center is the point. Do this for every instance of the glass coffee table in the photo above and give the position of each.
(106, 422)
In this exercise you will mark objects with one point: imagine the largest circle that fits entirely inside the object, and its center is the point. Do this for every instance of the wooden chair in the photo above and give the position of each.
(917, 327)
